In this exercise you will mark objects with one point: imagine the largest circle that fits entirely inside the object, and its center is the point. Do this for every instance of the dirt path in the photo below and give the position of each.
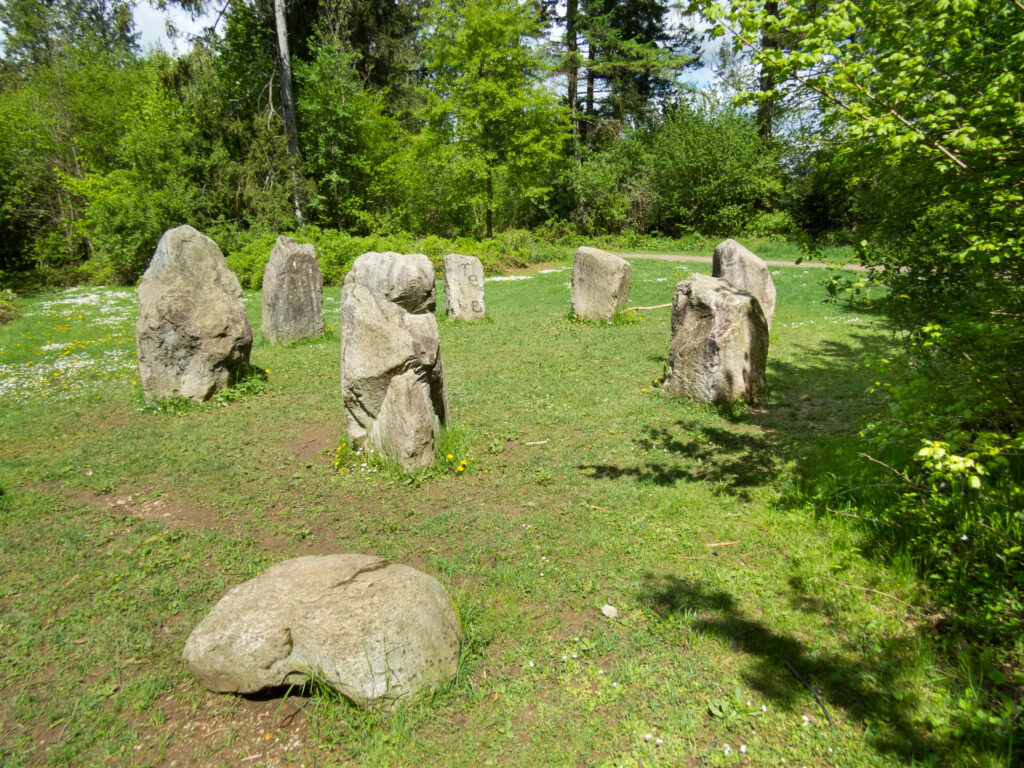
(707, 260)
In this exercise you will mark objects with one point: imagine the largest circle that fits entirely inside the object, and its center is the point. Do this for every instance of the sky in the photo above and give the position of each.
(151, 25)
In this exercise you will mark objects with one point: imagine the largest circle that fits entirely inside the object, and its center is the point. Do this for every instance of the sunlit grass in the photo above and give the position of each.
(580, 486)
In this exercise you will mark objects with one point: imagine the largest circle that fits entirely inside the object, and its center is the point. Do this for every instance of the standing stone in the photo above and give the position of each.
(377, 633)
(745, 270)
(719, 345)
(392, 380)
(600, 284)
(193, 334)
(292, 293)
(463, 287)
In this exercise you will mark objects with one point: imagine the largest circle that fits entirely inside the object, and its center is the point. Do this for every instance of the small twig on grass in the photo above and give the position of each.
(592, 506)
(538, 442)
(814, 693)
(250, 758)
(60, 735)
(287, 720)
(723, 544)
(877, 592)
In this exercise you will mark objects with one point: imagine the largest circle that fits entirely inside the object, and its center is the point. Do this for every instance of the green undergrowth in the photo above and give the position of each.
(451, 457)
(250, 381)
(740, 618)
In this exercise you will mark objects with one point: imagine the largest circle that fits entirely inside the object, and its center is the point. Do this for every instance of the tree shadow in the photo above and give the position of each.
(808, 426)
(731, 461)
(873, 688)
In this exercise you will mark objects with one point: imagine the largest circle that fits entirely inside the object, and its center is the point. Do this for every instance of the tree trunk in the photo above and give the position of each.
(573, 68)
(766, 81)
(490, 202)
(590, 92)
(288, 103)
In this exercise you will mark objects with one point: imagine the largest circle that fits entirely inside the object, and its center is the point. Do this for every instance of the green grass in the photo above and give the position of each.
(120, 527)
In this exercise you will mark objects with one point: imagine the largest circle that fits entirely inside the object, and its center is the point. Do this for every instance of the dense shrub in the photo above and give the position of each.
(248, 253)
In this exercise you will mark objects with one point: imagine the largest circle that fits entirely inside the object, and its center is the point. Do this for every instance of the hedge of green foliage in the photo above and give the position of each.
(248, 253)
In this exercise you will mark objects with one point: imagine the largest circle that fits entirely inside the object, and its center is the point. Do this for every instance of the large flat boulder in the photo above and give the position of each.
(600, 284)
(463, 287)
(392, 379)
(719, 346)
(745, 270)
(193, 334)
(377, 633)
(293, 286)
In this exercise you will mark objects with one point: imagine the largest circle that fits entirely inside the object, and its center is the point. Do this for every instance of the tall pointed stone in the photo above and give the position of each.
(392, 380)
(193, 334)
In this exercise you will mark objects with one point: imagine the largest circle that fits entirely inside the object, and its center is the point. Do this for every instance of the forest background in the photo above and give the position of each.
(895, 127)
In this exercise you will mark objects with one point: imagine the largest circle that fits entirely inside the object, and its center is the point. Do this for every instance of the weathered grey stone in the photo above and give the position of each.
(377, 633)
(746, 271)
(392, 379)
(719, 345)
(600, 284)
(193, 334)
(292, 293)
(463, 287)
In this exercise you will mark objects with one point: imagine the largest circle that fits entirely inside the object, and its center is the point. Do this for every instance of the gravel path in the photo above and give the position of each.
(707, 260)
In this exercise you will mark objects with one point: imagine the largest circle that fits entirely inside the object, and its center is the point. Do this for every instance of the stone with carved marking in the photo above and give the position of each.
(463, 287)
(292, 299)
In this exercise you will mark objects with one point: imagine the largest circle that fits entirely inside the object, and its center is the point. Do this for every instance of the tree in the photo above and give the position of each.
(485, 97)
(927, 103)
(36, 31)
(284, 62)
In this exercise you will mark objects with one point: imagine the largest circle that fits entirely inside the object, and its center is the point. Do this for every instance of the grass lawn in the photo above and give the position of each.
(742, 619)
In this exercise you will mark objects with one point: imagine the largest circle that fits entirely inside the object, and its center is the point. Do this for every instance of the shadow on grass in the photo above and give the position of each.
(809, 425)
(874, 688)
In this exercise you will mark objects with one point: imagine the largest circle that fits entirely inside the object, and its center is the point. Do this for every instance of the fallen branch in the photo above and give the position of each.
(656, 306)
(814, 693)
(538, 442)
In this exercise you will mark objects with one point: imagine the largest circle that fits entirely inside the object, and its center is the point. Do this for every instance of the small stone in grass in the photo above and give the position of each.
(610, 611)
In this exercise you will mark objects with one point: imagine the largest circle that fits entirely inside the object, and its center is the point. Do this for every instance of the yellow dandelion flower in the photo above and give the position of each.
(460, 468)
(450, 457)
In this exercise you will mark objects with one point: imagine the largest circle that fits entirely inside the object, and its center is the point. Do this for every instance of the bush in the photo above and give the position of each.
(8, 309)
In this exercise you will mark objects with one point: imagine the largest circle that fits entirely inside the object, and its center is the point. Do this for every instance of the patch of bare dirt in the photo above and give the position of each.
(227, 730)
(314, 441)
